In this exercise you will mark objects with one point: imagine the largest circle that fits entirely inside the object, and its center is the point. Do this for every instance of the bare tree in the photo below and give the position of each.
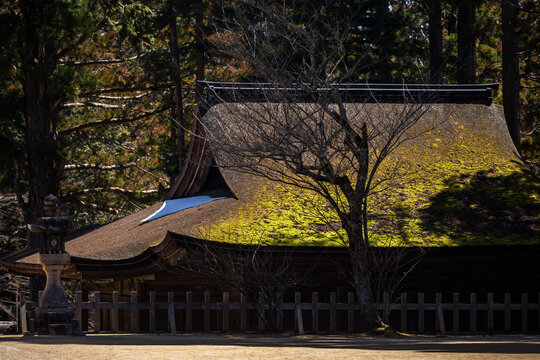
(263, 274)
(303, 131)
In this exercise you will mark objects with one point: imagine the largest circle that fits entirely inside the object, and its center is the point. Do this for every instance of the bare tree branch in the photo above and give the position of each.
(100, 61)
(92, 104)
(113, 189)
(98, 207)
(111, 121)
(71, 167)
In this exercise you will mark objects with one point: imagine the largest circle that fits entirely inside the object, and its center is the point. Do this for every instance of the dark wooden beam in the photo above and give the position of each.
(220, 92)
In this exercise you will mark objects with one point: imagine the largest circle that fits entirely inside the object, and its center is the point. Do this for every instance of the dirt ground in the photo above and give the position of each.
(137, 346)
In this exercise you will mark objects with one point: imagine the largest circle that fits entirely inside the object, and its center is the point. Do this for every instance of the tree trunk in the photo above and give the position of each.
(361, 273)
(199, 49)
(368, 318)
(177, 128)
(44, 163)
(510, 69)
(42, 179)
(435, 43)
(466, 64)
(451, 20)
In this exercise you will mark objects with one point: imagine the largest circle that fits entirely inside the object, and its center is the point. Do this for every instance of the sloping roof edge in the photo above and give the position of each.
(149, 261)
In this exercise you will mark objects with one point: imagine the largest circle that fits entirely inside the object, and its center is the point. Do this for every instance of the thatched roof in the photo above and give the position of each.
(465, 144)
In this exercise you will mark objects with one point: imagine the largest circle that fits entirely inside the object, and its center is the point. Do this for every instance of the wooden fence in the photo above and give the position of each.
(455, 316)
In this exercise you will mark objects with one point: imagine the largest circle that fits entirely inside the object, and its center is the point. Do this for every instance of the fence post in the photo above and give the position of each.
(24, 324)
(490, 313)
(78, 308)
(115, 312)
(455, 312)
(420, 312)
(152, 316)
(299, 322)
(386, 307)
(172, 318)
(97, 312)
(473, 313)
(524, 312)
(350, 312)
(507, 315)
(315, 311)
(189, 312)
(280, 312)
(403, 312)
(439, 314)
(225, 311)
(207, 311)
(134, 313)
(17, 308)
(243, 312)
(333, 326)
(261, 312)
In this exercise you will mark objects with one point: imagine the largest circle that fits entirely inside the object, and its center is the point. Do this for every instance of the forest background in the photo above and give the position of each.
(97, 97)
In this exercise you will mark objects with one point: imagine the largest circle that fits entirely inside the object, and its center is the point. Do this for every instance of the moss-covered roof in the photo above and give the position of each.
(460, 183)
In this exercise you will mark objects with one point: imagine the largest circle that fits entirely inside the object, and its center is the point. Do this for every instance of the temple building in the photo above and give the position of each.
(455, 162)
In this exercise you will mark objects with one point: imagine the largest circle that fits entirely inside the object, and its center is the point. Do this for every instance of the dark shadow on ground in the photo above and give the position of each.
(483, 209)
(503, 344)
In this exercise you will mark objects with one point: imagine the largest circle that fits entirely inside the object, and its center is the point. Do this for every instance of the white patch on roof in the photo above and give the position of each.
(176, 205)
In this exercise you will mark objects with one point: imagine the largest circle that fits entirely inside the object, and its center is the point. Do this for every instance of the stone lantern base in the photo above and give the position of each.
(51, 321)
(54, 316)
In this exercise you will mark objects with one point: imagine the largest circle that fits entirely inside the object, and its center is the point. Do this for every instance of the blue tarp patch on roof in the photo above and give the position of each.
(176, 205)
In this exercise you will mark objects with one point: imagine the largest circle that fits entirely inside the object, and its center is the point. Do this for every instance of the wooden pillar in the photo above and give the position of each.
(315, 311)
(152, 311)
(225, 311)
(189, 311)
(333, 327)
(115, 321)
(134, 312)
(97, 312)
(421, 312)
(403, 312)
(172, 319)
(455, 312)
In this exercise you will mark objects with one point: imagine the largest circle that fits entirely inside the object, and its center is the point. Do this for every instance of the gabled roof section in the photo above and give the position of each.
(199, 176)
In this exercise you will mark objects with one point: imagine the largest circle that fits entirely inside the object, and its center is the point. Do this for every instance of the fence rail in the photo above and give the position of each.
(455, 316)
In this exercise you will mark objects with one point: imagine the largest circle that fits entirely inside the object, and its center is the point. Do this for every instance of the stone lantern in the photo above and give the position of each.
(53, 316)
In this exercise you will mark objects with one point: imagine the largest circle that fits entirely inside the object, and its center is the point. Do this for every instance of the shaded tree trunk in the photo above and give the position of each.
(199, 49)
(177, 126)
(466, 64)
(44, 163)
(435, 42)
(42, 175)
(510, 69)
(360, 276)
(451, 20)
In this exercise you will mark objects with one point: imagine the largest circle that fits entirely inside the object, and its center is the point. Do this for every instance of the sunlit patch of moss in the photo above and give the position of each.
(455, 165)
(283, 215)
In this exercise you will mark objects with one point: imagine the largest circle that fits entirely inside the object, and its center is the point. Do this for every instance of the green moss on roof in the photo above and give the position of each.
(459, 184)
